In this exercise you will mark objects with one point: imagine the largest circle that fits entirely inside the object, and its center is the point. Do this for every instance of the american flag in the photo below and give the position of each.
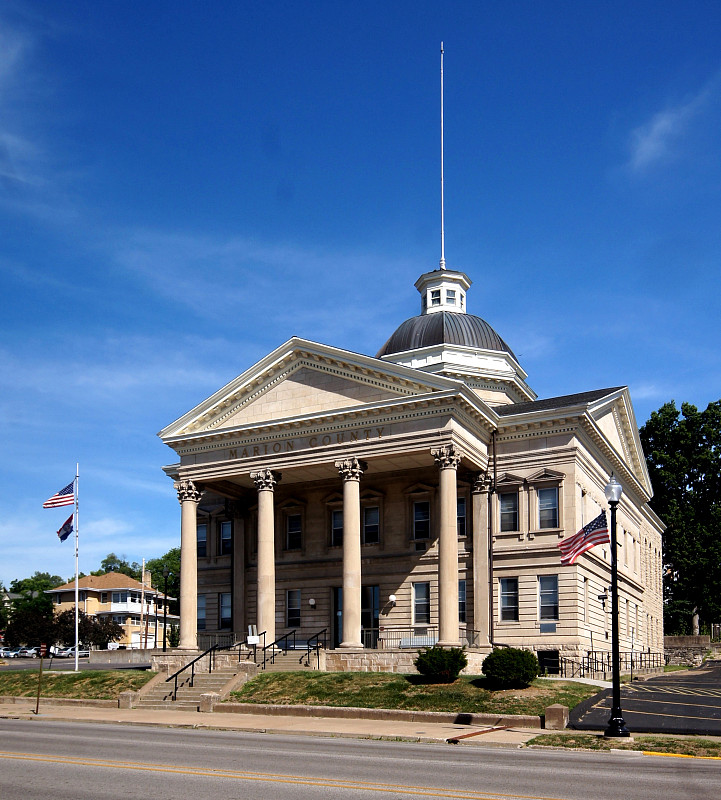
(67, 529)
(65, 497)
(596, 532)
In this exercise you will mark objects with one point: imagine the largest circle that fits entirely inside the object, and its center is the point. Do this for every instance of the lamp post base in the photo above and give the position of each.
(616, 728)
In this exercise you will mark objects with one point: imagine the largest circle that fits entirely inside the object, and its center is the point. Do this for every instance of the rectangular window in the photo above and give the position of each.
(451, 297)
(336, 528)
(201, 612)
(421, 519)
(120, 597)
(509, 599)
(421, 603)
(202, 540)
(435, 297)
(293, 531)
(461, 601)
(509, 511)
(548, 596)
(461, 516)
(292, 607)
(103, 597)
(225, 619)
(226, 538)
(371, 525)
(548, 508)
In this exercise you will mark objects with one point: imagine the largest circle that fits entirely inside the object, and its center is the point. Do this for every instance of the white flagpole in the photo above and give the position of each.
(443, 211)
(77, 580)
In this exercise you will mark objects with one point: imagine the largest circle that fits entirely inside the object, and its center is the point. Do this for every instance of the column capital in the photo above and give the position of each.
(447, 457)
(351, 469)
(482, 483)
(265, 479)
(187, 490)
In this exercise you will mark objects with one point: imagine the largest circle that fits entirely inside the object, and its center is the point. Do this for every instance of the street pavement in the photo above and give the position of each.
(686, 702)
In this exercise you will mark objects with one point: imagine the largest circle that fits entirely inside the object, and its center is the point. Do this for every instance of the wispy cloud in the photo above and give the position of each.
(661, 137)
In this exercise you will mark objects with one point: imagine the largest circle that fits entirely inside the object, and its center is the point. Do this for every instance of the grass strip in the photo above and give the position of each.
(410, 692)
(86, 684)
(671, 745)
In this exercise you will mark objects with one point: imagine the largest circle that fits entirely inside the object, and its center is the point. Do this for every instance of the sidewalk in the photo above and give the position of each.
(279, 724)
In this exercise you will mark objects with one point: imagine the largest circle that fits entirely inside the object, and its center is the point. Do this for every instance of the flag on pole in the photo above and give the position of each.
(67, 529)
(65, 497)
(596, 532)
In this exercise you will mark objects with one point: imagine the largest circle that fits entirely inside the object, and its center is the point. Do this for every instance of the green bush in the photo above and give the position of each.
(440, 664)
(510, 668)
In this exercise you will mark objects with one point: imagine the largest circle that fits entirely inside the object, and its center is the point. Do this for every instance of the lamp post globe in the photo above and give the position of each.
(616, 727)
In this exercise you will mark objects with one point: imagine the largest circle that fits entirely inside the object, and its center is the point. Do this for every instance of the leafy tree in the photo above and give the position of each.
(113, 563)
(683, 454)
(32, 621)
(156, 565)
(38, 582)
(97, 631)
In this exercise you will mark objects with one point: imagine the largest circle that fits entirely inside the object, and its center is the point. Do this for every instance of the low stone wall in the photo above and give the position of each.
(388, 661)
(686, 651)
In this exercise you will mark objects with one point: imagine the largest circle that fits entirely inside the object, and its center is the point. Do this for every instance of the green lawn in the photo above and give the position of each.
(390, 690)
(677, 745)
(86, 684)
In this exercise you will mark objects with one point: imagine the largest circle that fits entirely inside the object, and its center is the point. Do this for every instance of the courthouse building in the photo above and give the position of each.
(411, 497)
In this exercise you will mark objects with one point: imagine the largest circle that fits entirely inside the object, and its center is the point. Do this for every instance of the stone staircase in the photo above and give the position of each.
(160, 696)
(290, 661)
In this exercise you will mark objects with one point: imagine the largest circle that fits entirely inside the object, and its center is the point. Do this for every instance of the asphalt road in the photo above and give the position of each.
(41, 759)
(677, 702)
(63, 664)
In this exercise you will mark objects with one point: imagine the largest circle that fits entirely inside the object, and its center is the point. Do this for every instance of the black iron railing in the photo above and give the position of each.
(314, 644)
(210, 653)
(601, 661)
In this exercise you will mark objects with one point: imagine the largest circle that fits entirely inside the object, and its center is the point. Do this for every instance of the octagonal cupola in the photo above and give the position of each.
(443, 290)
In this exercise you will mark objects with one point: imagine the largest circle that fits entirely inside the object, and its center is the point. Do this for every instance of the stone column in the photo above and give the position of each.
(482, 579)
(447, 458)
(188, 497)
(265, 481)
(350, 470)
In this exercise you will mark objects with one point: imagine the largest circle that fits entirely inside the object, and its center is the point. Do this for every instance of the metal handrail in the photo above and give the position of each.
(210, 652)
(285, 649)
(310, 647)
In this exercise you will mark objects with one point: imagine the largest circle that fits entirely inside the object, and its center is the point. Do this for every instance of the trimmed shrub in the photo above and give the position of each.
(510, 668)
(440, 664)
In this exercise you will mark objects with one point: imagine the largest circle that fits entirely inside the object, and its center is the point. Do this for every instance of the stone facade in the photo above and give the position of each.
(418, 497)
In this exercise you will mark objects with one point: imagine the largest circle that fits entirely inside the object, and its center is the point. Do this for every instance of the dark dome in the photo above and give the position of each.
(444, 327)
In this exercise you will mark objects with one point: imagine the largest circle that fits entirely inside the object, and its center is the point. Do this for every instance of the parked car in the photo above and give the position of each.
(69, 652)
(29, 652)
(13, 653)
(6, 652)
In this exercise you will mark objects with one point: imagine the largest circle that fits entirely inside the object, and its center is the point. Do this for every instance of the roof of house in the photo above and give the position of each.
(111, 580)
(554, 403)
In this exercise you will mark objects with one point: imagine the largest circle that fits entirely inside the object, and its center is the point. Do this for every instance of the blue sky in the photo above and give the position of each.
(184, 186)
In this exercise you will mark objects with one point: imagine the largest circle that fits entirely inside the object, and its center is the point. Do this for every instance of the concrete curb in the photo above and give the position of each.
(333, 712)
(59, 701)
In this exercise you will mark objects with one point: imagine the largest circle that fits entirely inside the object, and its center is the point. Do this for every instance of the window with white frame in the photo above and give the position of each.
(202, 534)
(435, 297)
(461, 516)
(226, 537)
(293, 531)
(336, 527)
(548, 597)
(508, 502)
(225, 614)
(509, 599)
(371, 525)
(421, 519)
(451, 297)
(548, 507)
(421, 603)
(292, 608)
(201, 612)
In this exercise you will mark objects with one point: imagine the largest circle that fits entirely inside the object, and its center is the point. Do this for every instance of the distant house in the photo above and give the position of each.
(138, 609)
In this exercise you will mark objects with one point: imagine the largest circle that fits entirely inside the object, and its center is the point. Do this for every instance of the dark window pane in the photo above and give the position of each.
(461, 516)
(509, 599)
(548, 596)
(548, 508)
(509, 511)
(336, 528)
(202, 540)
(226, 538)
(294, 532)
(421, 520)
(371, 525)
(422, 603)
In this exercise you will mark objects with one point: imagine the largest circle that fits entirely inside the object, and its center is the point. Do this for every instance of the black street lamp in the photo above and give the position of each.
(616, 725)
(166, 574)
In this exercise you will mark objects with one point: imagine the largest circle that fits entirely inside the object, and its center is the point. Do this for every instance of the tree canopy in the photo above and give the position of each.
(683, 454)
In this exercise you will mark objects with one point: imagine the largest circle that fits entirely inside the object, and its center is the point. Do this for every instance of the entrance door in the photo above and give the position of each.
(337, 612)
(370, 615)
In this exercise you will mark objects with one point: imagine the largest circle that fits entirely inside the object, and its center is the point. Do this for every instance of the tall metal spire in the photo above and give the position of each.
(443, 229)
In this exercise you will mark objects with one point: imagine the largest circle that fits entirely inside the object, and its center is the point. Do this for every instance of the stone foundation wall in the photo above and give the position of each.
(687, 651)
(388, 661)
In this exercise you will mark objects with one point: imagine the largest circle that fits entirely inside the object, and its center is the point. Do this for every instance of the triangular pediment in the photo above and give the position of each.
(302, 379)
